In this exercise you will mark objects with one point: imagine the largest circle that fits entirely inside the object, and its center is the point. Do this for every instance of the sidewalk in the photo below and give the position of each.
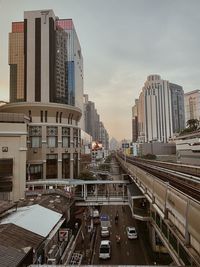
(85, 241)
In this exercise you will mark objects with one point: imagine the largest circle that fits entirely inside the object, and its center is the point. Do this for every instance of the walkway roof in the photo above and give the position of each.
(74, 182)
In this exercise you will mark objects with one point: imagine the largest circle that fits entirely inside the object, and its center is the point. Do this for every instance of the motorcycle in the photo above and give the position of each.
(118, 239)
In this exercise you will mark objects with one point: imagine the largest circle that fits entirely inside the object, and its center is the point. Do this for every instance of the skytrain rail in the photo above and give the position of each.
(181, 181)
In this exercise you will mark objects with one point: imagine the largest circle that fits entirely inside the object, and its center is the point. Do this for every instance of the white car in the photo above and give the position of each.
(105, 249)
(105, 231)
(131, 232)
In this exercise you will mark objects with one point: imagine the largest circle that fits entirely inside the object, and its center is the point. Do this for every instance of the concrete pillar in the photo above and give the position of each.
(95, 190)
(44, 169)
(82, 190)
(79, 159)
(59, 174)
(71, 166)
(85, 191)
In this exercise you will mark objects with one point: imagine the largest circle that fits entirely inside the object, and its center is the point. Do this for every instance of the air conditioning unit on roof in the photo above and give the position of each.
(51, 261)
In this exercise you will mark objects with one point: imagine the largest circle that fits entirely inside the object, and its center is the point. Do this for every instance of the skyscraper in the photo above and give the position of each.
(74, 63)
(178, 110)
(45, 59)
(135, 121)
(158, 111)
(16, 62)
(39, 88)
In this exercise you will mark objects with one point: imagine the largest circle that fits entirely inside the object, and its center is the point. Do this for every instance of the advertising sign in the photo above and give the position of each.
(63, 234)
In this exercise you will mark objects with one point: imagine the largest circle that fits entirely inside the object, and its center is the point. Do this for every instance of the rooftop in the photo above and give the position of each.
(34, 218)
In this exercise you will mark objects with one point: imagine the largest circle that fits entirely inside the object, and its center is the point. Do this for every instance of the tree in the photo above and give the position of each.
(193, 124)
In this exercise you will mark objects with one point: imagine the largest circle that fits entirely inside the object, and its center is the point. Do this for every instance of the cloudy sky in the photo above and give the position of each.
(123, 41)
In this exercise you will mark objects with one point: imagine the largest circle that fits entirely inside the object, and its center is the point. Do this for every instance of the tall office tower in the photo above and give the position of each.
(141, 134)
(46, 63)
(16, 62)
(157, 109)
(192, 105)
(39, 88)
(74, 65)
(90, 118)
(61, 66)
(178, 110)
(135, 121)
(96, 123)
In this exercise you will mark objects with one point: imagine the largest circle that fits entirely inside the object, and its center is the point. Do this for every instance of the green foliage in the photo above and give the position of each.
(149, 156)
(192, 126)
(86, 175)
(104, 167)
(108, 159)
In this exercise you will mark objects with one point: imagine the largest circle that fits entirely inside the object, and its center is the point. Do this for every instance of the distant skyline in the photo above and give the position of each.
(122, 41)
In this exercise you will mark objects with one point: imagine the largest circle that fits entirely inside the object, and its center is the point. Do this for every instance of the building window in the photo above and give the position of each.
(75, 165)
(34, 171)
(66, 165)
(52, 166)
(52, 136)
(75, 137)
(69, 118)
(45, 115)
(57, 117)
(65, 136)
(30, 116)
(35, 136)
(41, 115)
(60, 117)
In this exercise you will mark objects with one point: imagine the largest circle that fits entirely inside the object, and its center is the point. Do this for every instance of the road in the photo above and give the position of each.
(131, 252)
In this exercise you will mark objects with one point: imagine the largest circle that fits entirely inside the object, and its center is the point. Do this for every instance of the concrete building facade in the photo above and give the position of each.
(41, 93)
(192, 105)
(157, 109)
(13, 150)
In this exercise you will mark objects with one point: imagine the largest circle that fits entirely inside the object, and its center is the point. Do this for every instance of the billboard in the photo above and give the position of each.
(96, 145)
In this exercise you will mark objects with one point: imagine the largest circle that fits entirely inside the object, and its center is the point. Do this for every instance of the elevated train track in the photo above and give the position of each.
(187, 183)
(174, 207)
(179, 167)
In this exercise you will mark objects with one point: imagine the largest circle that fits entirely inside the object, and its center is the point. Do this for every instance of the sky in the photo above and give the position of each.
(122, 41)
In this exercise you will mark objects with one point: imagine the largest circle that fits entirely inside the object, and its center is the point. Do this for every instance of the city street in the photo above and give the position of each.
(130, 252)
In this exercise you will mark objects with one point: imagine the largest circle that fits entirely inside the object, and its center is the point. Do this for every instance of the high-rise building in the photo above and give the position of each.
(93, 125)
(135, 121)
(159, 111)
(192, 105)
(16, 62)
(103, 136)
(45, 51)
(39, 89)
(178, 110)
(74, 65)
(154, 116)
